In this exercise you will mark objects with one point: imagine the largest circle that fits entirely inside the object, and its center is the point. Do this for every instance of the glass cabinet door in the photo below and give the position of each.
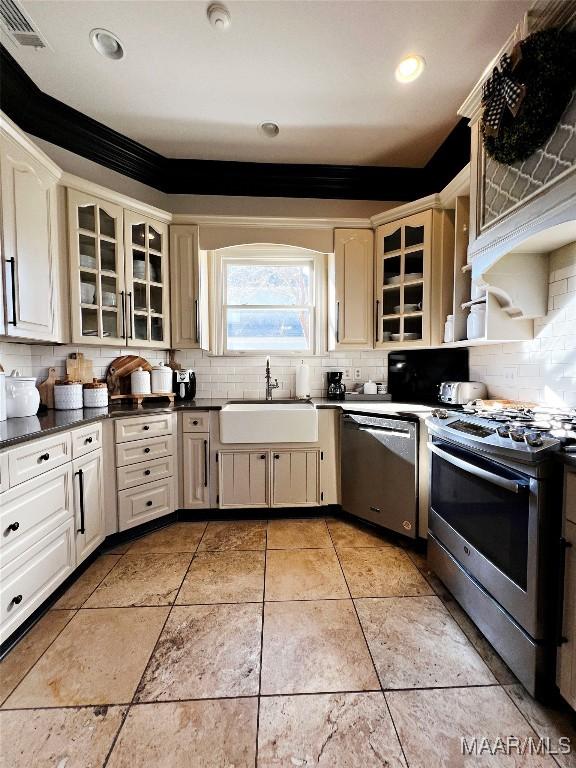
(402, 280)
(146, 247)
(97, 270)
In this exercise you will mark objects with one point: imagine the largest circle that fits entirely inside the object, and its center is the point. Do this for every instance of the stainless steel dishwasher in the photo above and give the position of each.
(380, 471)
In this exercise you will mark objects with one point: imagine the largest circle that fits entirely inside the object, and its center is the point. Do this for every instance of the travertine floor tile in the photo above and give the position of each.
(98, 658)
(224, 577)
(347, 534)
(549, 722)
(314, 646)
(304, 574)
(59, 738)
(20, 659)
(383, 572)
(80, 591)
(298, 534)
(192, 734)
(206, 651)
(415, 643)
(432, 723)
(346, 730)
(239, 535)
(179, 537)
(141, 580)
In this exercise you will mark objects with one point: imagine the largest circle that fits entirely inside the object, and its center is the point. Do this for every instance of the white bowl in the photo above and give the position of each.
(87, 293)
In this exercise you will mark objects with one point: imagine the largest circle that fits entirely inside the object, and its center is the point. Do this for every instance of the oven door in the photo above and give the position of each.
(487, 516)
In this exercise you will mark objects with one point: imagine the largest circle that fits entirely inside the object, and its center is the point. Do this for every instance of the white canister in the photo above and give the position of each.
(2, 396)
(68, 396)
(140, 382)
(449, 329)
(476, 291)
(161, 378)
(476, 322)
(370, 388)
(95, 394)
(22, 397)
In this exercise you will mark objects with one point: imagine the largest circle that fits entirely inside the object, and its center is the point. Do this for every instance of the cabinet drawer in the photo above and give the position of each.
(197, 421)
(145, 472)
(33, 509)
(138, 427)
(570, 497)
(34, 575)
(146, 502)
(3, 472)
(142, 450)
(38, 456)
(86, 439)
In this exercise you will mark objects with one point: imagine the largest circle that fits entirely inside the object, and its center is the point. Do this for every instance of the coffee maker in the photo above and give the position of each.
(184, 384)
(336, 389)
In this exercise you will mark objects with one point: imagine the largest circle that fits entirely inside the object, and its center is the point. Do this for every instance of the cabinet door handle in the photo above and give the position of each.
(195, 422)
(13, 526)
(205, 463)
(131, 319)
(146, 427)
(43, 457)
(149, 503)
(80, 474)
(262, 455)
(12, 263)
(146, 471)
(377, 322)
(197, 315)
(146, 450)
(17, 599)
(88, 440)
(276, 455)
(337, 322)
(123, 304)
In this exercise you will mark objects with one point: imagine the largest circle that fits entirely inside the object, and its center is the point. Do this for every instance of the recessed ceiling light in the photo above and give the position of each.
(410, 68)
(270, 130)
(218, 16)
(107, 44)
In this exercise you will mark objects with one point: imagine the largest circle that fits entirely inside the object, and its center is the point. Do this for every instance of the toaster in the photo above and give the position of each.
(461, 392)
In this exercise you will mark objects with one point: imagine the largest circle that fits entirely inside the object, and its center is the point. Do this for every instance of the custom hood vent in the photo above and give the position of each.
(19, 27)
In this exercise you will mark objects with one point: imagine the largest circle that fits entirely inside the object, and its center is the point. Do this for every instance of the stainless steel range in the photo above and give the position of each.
(494, 526)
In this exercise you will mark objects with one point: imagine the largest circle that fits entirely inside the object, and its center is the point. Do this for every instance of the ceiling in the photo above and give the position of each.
(323, 70)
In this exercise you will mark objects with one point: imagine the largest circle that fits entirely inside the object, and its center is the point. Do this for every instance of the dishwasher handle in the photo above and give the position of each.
(490, 477)
(386, 431)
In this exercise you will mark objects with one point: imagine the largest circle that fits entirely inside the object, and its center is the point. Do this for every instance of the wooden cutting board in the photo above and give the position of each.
(79, 368)
(119, 370)
(46, 389)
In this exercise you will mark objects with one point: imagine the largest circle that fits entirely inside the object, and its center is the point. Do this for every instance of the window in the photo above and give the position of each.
(268, 302)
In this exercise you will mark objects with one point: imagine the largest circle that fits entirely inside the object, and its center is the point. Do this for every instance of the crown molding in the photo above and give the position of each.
(416, 206)
(41, 115)
(276, 222)
(11, 130)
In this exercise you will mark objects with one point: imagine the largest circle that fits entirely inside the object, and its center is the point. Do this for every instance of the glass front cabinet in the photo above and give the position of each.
(119, 275)
(413, 279)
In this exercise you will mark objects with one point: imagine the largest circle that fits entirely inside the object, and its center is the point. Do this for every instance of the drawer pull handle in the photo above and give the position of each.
(146, 427)
(148, 503)
(195, 422)
(146, 471)
(17, 599)
(88, 441)
(146, 450)
(262, 455)
(276, 455)
(44, 457)
(14, 526)
(82, 528)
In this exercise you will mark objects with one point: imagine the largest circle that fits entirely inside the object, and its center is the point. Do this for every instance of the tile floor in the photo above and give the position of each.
(287, 643)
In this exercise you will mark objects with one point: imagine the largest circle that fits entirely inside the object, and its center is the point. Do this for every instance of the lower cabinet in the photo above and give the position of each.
(195, 463)
(284, 478)
(88, 504)
(145, 502)
(566, 673)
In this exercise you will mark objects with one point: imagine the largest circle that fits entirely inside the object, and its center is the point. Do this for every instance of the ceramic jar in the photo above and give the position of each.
(161, 378)
(449, 329)
(140, 382)
(476, 322)
(95, 395)
(68, 396)
(22, 397)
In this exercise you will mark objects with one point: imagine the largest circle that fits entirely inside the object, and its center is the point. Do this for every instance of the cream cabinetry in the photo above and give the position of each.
(195, 470)
(295, 479)
(350, 290)
(88, 503)
(566, 667)
(29, 239)
(244, 479)
(189, 289)
(119, 274)
(413, 283)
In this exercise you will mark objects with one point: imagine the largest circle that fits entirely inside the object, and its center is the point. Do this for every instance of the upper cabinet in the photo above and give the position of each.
(350, 286)
(189, 289)
(413, 279)
(119, 281)
(29, 239)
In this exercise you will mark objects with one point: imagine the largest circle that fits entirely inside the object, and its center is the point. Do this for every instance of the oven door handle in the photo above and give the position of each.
(490, 477)
(386, 431)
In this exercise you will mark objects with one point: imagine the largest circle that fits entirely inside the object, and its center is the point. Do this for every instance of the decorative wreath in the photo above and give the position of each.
(524, 99)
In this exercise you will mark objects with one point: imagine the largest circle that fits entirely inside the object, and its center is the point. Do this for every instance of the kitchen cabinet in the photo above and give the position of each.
(189, 289)
(243, 479)
(566, 666)
(28, 184)
(145, 502)
(413, 284)
(88, 504)
(295, 478)
(350, 287)
(119, 274)
(195, 470)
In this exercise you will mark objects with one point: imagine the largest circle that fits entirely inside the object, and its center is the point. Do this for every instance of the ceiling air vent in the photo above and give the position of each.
(19, 27)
